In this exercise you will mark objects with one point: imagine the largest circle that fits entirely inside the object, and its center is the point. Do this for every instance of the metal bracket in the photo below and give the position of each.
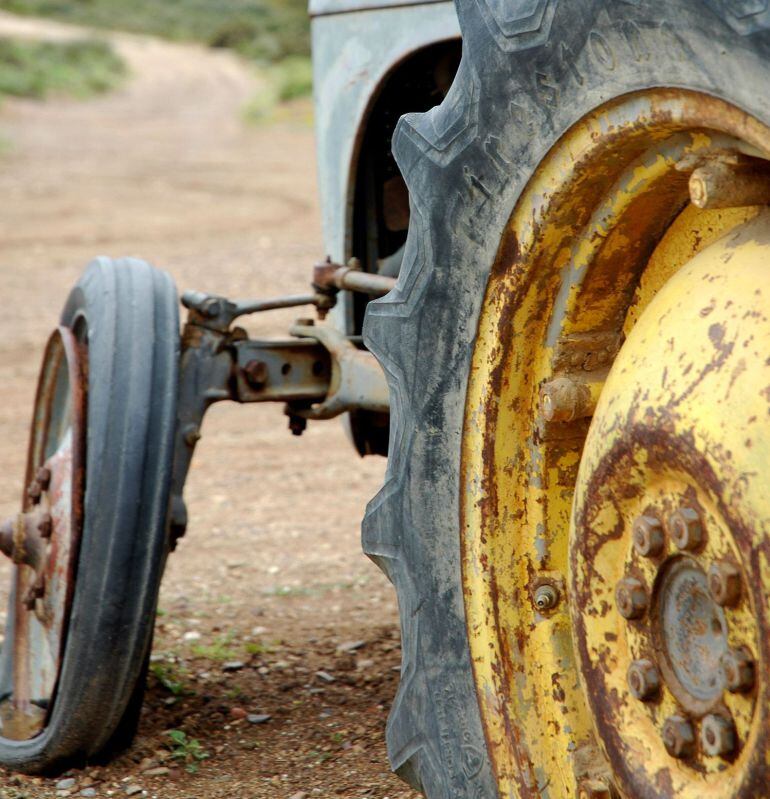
(319, 374)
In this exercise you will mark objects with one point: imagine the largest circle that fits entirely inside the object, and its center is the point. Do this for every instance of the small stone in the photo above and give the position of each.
(66, 784)
(299, 795)
(258, 718)
(364, 663)
(350, 646)
(160, 771)
(132, 790)
(147, 763)
(238, 713)
(325, 676)
(88, 792)
(233, 665)
(193, 635)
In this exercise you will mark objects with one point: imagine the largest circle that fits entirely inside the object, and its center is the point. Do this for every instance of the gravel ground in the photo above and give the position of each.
(277, 650)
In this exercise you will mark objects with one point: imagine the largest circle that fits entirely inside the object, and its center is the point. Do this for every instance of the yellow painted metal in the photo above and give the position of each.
(683, 419)
(569, 266)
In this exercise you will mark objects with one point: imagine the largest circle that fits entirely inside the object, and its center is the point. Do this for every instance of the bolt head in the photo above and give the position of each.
(255, 372)
(643, 680)
(717, 736)
(686, 529)
(34, 492)
(546, 598)
(45, 526)
(679, 737)
(631, 598)
(725, 583)
(647, 533)
(738, 670)
(595, 789)
(43, 477)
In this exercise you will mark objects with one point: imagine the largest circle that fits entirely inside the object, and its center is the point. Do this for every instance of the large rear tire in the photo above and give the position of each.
(530, 71)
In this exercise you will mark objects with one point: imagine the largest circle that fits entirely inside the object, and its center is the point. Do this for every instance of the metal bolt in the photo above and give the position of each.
(738, 670)
(717, 735)
(647, 533)
(686, 529)
(678, 737)
(725, 583)
(191, 434)
(255, 372)
(631, 598)
(643, 680)
(34, 492)
(595, 789)
(297, 424)
(35, 592)
(45, 526)
(43, 477)
(546, 597)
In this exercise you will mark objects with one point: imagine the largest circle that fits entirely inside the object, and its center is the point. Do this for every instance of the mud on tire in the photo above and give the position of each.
(530, 70)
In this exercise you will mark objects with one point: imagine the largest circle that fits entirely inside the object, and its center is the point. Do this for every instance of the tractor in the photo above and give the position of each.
(545, 296)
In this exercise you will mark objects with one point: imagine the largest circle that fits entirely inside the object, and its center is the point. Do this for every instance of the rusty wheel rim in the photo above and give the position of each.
(602, 227)
(43, 539)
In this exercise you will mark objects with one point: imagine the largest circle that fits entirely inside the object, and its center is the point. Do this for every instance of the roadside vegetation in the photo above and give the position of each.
(274, 34)
(76, 69)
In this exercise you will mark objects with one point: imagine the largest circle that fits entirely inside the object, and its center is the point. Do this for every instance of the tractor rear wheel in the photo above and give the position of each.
(574, 516)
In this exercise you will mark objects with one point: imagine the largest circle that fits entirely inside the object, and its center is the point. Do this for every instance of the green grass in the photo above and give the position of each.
(75, 69)
(264, 30)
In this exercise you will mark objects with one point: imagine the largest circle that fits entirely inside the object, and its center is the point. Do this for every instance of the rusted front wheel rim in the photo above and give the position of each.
(43, 540)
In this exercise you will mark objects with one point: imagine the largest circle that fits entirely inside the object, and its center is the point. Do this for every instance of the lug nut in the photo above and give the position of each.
(643, 680)
(595, 789)
(648, 536)
(678, 737)
(45, 526)
(685, 528)
(725, 583)
(631, 598)
(546, 598)
(717, 736)
(738, 670)
(43, 477)
(34, 492)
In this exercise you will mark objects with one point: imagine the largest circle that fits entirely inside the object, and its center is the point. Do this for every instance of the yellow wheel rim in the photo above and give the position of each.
(601, 228)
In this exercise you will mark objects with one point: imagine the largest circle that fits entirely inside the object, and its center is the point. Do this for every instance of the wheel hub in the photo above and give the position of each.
(691, 631)
(670, 527)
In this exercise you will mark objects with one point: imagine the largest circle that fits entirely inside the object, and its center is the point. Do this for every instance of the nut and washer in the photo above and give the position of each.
(631, 598)
(738, 670)
(45, 526)
(717, 736)
(546, 597)
(678, 737)
(686, 529)
(643, 680)
(648, 536)
(725, 583)
(43, 477)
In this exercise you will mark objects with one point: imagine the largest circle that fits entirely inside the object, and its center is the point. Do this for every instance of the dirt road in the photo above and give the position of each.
(270, 574)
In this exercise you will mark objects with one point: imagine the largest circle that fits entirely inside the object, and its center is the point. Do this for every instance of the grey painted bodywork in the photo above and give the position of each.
(353, 52)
